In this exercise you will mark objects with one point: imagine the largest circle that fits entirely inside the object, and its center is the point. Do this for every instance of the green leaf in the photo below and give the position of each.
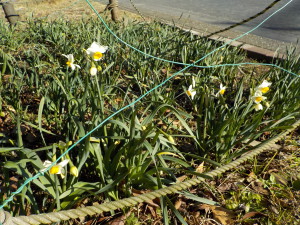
(203, 159)
(37, 127)
(2, 150)
(176, 160)
(40, 114)
(175, 211)
(112, 184)
(198, 199)
(79, 188)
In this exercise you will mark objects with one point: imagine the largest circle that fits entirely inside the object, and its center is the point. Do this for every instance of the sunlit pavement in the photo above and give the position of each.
(211, 16)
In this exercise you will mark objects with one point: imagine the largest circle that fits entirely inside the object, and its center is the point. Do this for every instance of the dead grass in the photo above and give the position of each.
(66, 9)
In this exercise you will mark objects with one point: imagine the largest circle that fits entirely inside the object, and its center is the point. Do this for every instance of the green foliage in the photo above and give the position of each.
(132, 220)
(246, 199)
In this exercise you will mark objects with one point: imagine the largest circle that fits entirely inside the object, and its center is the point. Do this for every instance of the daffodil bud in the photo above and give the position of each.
(74, 171)
(258, 107)
(62, 145)
(171, 139)
(144, 128)
(221, 59)
(93, 71)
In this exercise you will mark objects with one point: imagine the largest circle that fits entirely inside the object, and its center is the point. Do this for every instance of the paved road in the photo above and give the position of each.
(283, 27)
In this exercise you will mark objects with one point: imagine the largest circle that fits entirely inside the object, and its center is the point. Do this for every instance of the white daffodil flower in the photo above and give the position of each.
(70, 61)
(258, 107)
(191, 91)
(96, 51)
(264, 87)
(222, 90)
(56, 169)
(258, 97)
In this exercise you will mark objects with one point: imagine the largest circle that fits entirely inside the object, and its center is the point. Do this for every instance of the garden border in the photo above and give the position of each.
(47, 218)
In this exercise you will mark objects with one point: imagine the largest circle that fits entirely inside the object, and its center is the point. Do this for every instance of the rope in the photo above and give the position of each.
(137, 10)
(245, 20)
(47, 218)
(5, 218)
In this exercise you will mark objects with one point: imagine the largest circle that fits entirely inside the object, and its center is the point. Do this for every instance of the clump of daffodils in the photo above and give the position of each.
(96, 51)
(191, 91)
(258, 97)
(70, 61)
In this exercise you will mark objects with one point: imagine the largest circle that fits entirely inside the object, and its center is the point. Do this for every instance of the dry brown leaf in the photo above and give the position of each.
(120, 220)
(258, 187)
(89, 222)
(152, 211)
(291, 148)
(220, 214)
(252, 175)
(200, 168)
(180, 179)
(178, 204)
(136, 192)
(176, 122)
(164, 71)
(252, 214)
(280, 179)
(223, 216)
(13, 183)
(273, 208)
(225, 187)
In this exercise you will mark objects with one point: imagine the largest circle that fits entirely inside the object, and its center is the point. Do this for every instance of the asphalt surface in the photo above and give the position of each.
(212, 16)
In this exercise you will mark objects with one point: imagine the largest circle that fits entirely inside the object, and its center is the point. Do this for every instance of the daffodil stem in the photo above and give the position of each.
(57, 193)
(101, 102)
(19, 132)
(100, 96)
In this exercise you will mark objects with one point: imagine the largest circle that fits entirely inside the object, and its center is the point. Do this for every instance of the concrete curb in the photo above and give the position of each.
(254, 52)
(251, 50)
